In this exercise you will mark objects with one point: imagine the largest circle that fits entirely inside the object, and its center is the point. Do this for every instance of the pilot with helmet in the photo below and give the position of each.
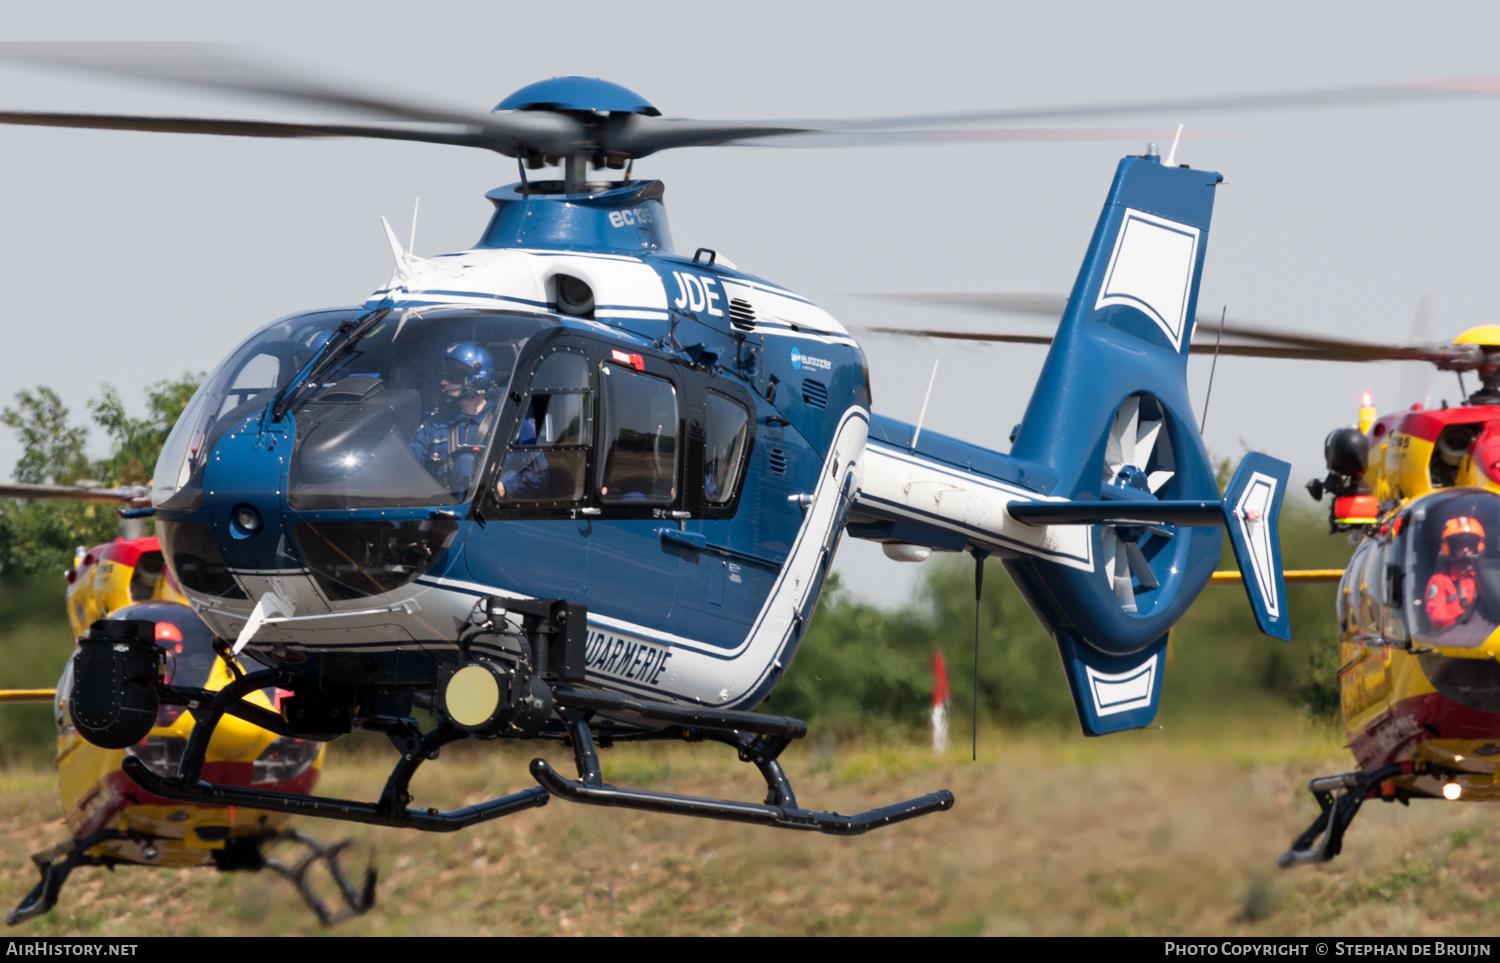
(1453, 589)
(451, 442)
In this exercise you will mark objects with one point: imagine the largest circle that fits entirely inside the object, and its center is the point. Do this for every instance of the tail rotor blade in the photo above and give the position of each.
(1139, 567)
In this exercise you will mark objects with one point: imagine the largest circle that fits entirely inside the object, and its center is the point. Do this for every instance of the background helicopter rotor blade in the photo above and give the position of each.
(1273, 343)
(1416, 378)
(134, 495)
(1206, 347)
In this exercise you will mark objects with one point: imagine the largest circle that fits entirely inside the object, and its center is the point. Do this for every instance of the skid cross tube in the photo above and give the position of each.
(780, 809)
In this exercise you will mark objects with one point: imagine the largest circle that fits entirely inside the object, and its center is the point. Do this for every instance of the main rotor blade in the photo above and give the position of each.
(1401, 92)
(749, 135)
(219, 67)
(233, 128)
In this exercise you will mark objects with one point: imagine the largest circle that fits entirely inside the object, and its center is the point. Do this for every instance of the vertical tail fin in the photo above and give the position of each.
(1111, 417)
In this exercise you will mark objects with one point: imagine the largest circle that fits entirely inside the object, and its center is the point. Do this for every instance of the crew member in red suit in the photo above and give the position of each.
(1453, 590)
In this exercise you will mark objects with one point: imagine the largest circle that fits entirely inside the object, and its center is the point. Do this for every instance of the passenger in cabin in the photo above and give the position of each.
(450, 442)
(1453, 590)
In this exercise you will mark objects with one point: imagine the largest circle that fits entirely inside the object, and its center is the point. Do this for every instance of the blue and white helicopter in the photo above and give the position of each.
(571, 484)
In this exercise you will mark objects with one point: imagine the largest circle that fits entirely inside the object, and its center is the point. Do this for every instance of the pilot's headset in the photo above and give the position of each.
(469, 365)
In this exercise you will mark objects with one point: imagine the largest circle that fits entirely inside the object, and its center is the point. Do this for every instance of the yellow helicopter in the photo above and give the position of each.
(114, 822)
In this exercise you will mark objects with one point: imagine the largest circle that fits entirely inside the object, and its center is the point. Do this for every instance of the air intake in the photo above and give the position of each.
(741, 313)
(778, 461)
(814, 393)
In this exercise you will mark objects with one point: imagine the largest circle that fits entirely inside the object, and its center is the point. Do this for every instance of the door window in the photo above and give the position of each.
(549, 450)
(639, 444)
(726, 429)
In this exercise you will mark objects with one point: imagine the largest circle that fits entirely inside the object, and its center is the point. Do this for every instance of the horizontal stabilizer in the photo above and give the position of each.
(1113, 693)
(1252, 508)
(1199, 514)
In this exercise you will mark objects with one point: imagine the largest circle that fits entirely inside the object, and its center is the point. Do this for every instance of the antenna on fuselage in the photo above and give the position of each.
(411, 246)
(1172, 154)
(917, 432)
(402, 267)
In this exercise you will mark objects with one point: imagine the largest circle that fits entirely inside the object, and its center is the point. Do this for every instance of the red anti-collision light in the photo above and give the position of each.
(634, 360)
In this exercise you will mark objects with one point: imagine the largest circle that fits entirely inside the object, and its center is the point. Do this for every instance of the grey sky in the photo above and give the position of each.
(132, 257)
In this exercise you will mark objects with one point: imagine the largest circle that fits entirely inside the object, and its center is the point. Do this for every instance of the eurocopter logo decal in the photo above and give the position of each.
(1151, 270)
(799, 360)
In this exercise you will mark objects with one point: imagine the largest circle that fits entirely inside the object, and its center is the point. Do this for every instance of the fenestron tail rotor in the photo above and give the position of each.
(1130, 449)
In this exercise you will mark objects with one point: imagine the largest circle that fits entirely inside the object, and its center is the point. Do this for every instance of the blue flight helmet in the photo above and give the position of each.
(469, 365)
(308, 345)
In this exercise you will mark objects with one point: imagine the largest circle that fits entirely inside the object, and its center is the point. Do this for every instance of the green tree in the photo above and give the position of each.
(39, 537)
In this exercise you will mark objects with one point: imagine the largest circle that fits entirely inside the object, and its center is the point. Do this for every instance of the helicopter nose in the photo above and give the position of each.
(243, 488)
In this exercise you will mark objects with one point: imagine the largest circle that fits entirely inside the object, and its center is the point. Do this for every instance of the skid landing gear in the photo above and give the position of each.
(1340, 798)
(759, 739)
(244, 853)
(780, 808)
(355, 902)
(55, 865)
(523, 701)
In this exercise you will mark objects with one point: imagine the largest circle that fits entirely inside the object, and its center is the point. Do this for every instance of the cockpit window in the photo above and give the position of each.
(639, 463)
(242, 384)
(404, 416)
(1452, 573)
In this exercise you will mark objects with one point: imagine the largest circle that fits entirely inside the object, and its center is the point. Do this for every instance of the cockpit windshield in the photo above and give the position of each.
(242, 384)
(1453, 566)
(405, 415)
(400, 417)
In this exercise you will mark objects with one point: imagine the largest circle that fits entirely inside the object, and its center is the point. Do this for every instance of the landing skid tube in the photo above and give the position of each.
(1340, 798)
(759, 739)
(780, 808)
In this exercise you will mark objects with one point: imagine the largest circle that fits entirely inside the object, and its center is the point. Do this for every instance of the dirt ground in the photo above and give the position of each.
(1170, 831)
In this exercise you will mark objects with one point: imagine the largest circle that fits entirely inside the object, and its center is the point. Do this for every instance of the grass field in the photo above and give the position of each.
(1173, 830)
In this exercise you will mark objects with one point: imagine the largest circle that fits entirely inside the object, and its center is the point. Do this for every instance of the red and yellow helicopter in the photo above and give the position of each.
(114, 822)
